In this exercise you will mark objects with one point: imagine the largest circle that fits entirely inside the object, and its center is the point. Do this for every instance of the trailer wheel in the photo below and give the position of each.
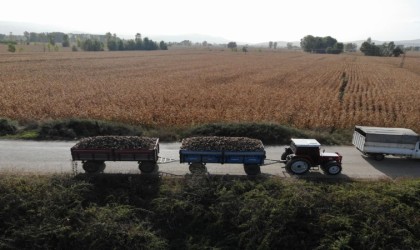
(147, 167)
(93, 167)
(252, 169)
(332, 168)
(379, 157)
(298, 166)
(197, 168)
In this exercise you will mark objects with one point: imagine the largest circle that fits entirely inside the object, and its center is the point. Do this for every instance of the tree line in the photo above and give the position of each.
(86, 42)
(369, 48)
(322, 45)
(114, 43)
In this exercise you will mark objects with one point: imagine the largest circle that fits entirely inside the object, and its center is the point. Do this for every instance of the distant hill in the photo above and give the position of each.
(406, 43)
(195, 38)
(18, 28)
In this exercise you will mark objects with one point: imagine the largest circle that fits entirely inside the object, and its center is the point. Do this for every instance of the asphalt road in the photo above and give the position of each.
(30, 157)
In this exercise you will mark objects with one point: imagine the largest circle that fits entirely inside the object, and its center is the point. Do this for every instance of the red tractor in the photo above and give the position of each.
(304, 154)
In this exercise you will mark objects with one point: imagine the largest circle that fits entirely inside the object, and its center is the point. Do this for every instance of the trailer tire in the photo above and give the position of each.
(298, 166)
(147, 167)
(197, 168)
(379, 157)
(332, 168)
(252, 169)
(93, 167)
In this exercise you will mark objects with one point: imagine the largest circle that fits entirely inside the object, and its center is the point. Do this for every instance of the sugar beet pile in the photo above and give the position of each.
(218, 143)
(116, 142)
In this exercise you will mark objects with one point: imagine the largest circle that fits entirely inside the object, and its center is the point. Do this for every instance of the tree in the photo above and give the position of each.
(275, 45)
(138, 37)
(397, 52)
(204, 43)
(370, 49)
(163, 45)
(350, 47)
(27, 36)
(11, 48)
(51, 39)
(112, 45)
(232, 45)
(386, 49)
(289, 45)
(66, 42)
(92, 45)
(270, 44)
(321, 45)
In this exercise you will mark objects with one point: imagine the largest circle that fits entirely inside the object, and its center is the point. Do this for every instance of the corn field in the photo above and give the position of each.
(189, 87)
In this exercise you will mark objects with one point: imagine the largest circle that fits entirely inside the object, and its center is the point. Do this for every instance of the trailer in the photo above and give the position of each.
(377, 142)
(197, 160)
(302, 154)
(93, 159)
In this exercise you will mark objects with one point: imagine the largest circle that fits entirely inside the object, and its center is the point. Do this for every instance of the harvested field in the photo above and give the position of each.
(189, 87)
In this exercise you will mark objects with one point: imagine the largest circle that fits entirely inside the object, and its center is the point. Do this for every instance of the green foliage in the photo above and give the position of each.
(369, 48)
(66, 41)
(58, 213)
(77, 128)
(8, 127)
(117, 211)
(163, 45)
(11, 48)
(350, 47)
(232, 45)
(92, 45)
(321, 45)
(114, 43)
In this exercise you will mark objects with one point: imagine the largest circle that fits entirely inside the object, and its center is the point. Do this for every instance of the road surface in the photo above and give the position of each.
(30, 157)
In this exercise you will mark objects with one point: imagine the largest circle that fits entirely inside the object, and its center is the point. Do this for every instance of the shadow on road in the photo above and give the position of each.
(395, 167)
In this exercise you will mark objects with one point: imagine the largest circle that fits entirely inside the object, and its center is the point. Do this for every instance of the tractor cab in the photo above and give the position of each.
(306, 153)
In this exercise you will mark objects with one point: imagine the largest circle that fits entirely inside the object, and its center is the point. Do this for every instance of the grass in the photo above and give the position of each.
(117, 211)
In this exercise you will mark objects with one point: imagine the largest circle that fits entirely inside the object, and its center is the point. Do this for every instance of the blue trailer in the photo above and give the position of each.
(252, 160)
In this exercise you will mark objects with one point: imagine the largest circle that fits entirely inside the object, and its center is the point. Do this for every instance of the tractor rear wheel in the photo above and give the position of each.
(298, 166)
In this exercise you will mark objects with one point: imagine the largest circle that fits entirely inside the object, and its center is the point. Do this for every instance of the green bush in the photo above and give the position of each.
(8, 127)
(76, 128)
(117, 211)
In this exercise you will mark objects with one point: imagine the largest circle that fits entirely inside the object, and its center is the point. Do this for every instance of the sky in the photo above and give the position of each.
(251, 21)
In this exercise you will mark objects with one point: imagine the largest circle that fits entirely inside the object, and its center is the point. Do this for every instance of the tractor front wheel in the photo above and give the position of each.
(332, 168)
